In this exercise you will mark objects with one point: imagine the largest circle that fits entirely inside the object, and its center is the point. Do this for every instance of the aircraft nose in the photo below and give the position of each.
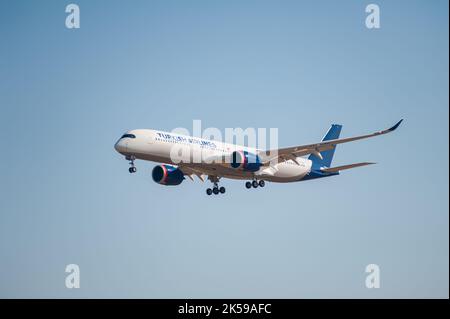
(121, 146)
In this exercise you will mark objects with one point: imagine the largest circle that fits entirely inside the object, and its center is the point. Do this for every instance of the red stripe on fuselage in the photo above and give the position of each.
(242, 164)
(165, 172)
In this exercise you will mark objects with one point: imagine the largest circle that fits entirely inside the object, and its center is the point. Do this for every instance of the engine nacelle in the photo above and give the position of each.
(167, 175)
(246, 161)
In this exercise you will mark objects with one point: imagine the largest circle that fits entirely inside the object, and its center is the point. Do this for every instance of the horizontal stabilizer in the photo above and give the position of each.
(341, 168)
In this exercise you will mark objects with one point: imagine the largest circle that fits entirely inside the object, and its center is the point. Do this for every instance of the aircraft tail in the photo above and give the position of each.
(324, 158)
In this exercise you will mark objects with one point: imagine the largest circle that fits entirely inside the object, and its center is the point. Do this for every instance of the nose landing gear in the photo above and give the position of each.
(132, 169)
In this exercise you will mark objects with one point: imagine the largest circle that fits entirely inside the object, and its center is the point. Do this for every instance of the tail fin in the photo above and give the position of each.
(327, 156)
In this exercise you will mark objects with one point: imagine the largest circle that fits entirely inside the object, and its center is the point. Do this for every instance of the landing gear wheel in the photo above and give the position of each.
(132, 168)
(215, 190)
(222, 190)
(262, 183)
(248, 185)
(209, 191)
(255, 184)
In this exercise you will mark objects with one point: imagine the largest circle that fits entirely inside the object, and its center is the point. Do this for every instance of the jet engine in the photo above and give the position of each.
(246, 161)
(167, 175)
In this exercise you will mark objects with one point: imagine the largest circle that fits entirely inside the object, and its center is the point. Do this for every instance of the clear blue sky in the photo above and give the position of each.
(67, 197)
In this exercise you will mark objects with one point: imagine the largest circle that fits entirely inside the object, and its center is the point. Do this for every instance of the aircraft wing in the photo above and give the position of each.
(315, 149)
(190, 172)
(211, 169)
(343, 167)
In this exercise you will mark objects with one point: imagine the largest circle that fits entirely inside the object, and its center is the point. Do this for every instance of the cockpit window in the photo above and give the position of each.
(128, 135)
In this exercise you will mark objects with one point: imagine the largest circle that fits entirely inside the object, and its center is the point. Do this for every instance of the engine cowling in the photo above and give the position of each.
(167, 175)
(246, 161)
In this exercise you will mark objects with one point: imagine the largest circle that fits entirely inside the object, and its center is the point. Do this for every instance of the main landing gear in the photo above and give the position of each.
(215, 190)
(132, 168)
(255, 184)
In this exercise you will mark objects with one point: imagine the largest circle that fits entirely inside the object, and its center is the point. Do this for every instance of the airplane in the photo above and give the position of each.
(215, 160)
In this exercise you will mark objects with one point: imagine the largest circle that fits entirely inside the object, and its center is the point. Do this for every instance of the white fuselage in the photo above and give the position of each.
(176, 149)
